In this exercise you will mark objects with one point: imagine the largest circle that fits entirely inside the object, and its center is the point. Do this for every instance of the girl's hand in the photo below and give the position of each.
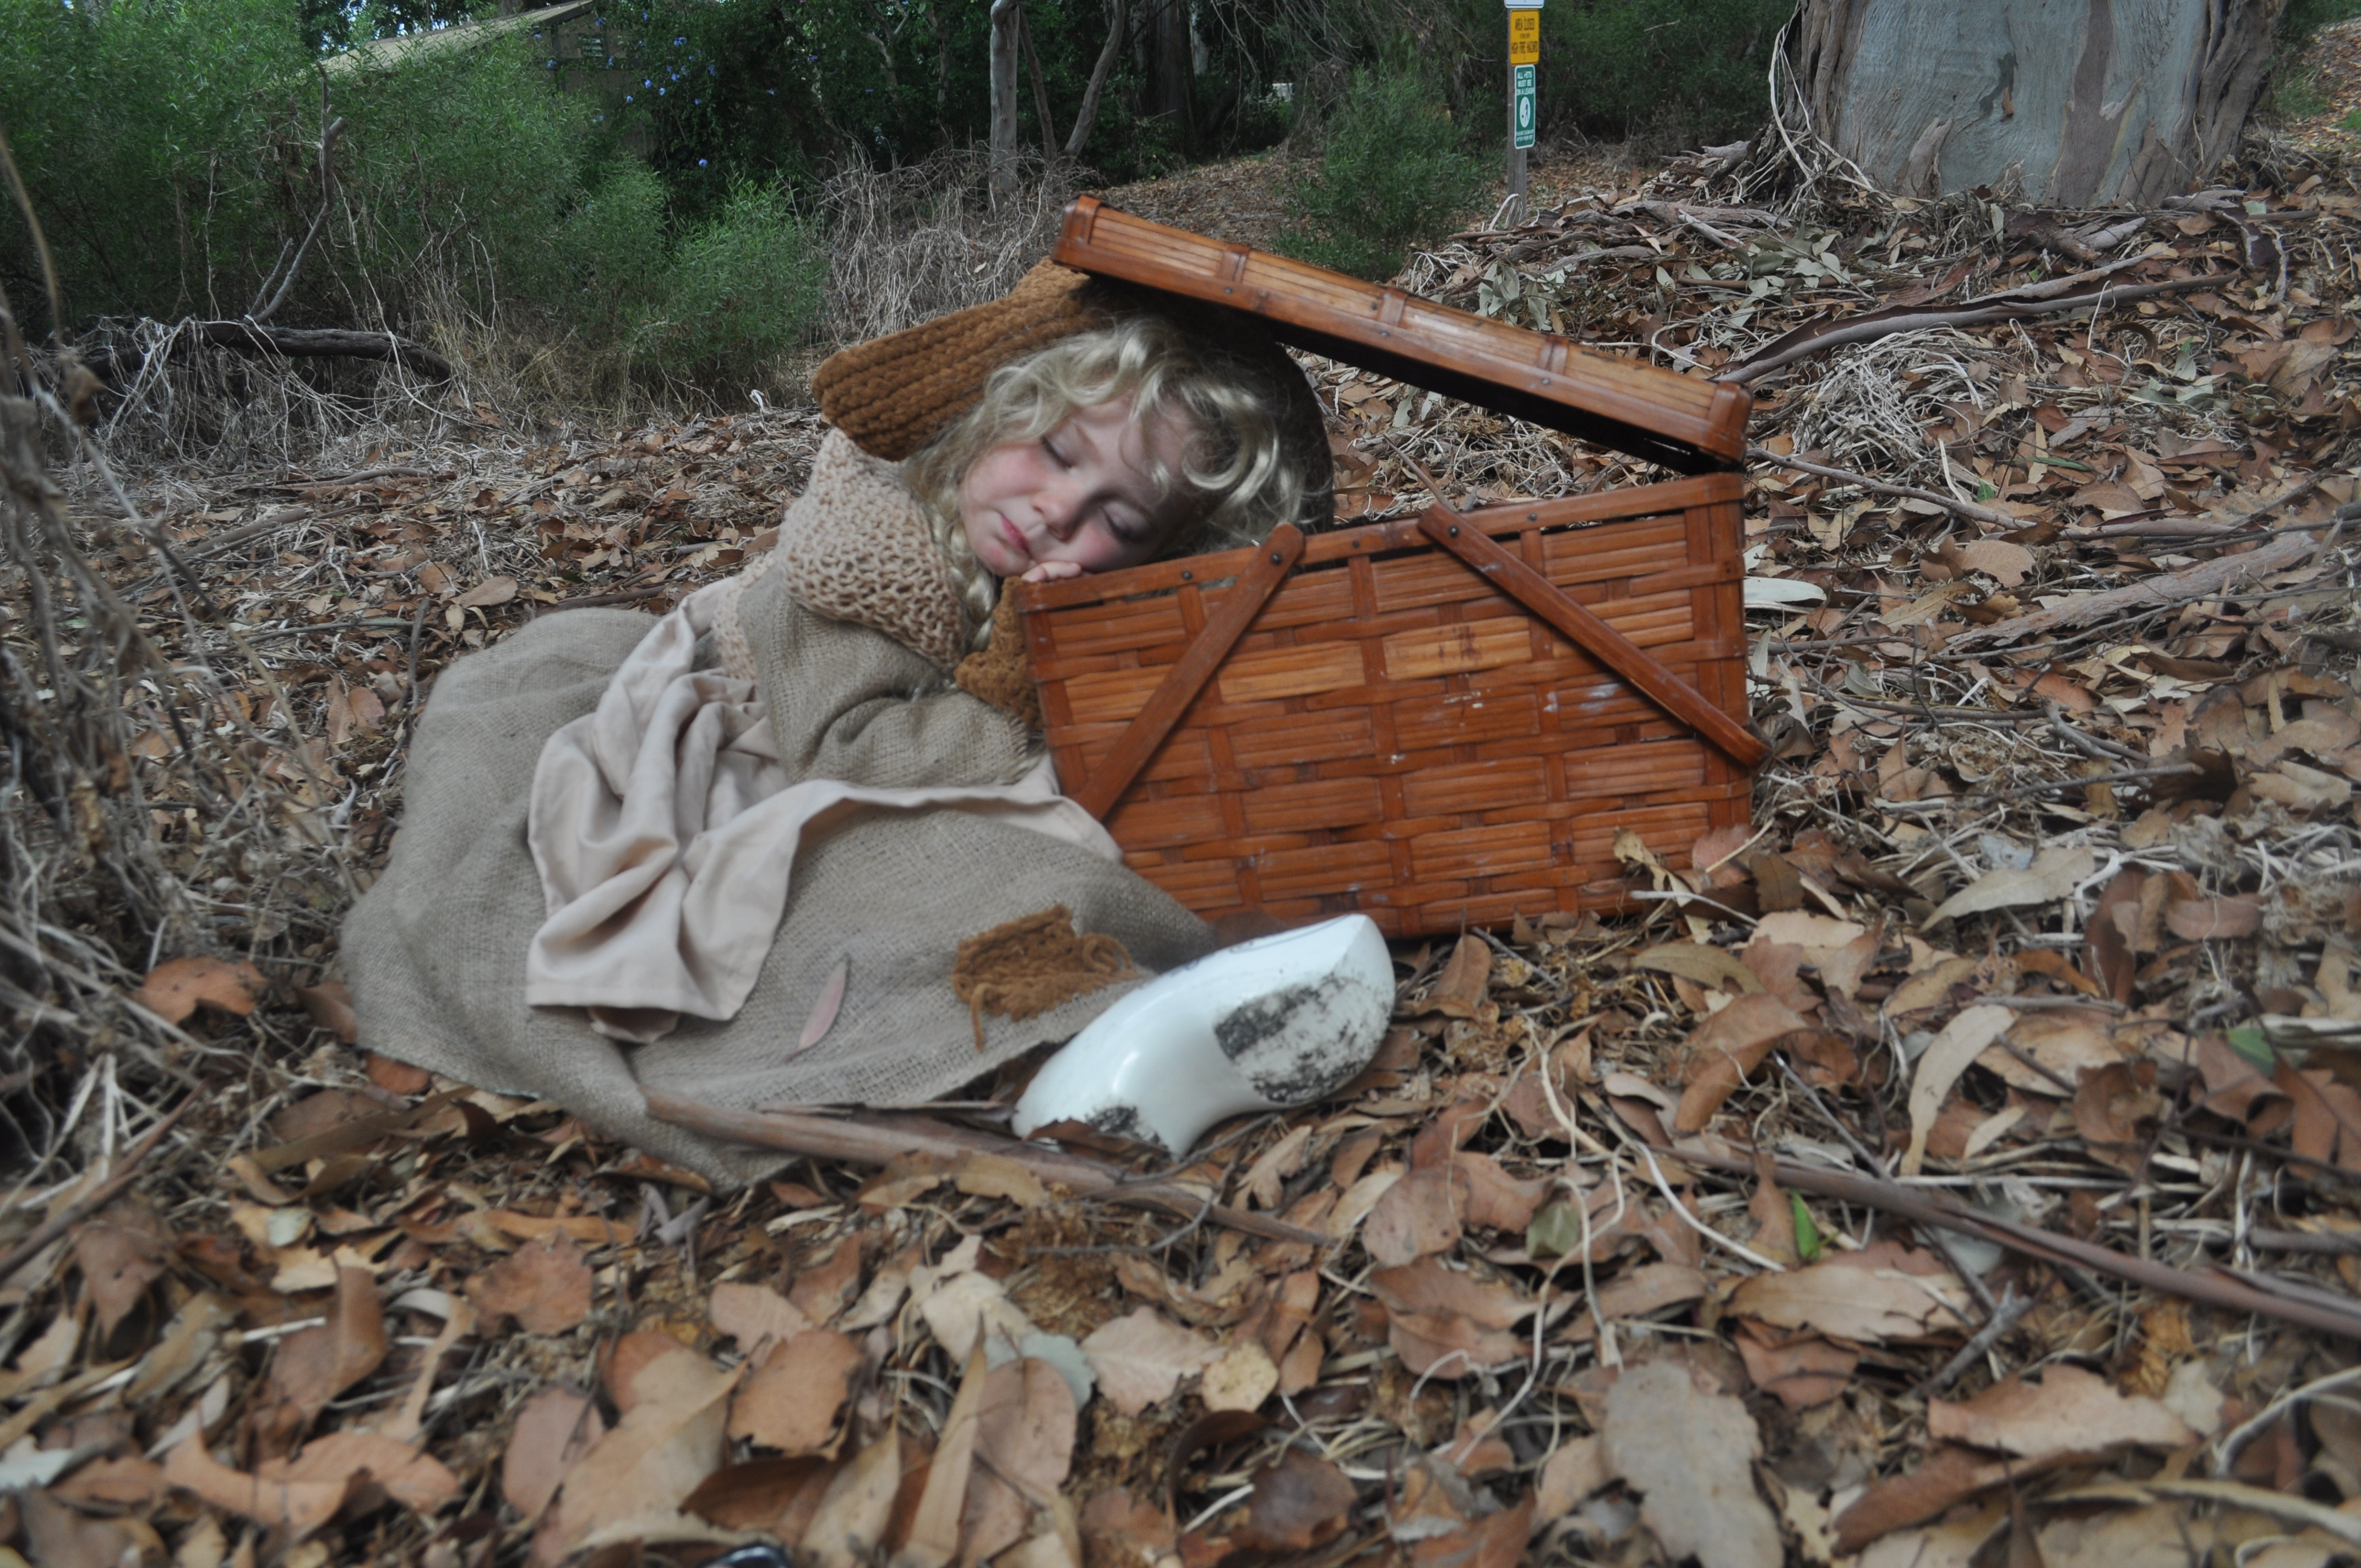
(1054, 571)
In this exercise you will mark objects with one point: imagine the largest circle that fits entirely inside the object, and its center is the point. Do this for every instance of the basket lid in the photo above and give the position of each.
(1685, 422)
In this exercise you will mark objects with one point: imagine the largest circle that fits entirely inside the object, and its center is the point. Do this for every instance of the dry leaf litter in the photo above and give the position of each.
(1962, 1161)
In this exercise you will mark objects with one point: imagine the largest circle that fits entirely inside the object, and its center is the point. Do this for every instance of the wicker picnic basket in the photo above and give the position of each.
(1439, 722)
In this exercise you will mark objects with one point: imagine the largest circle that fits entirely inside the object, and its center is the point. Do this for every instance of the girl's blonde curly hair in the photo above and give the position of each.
(1234, 479)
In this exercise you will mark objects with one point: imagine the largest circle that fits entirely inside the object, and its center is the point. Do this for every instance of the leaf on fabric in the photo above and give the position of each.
(545, 1285)
(178, 987)
(2053, 874)
(824, 1009)
(791, 1399)
(2070, 1408)
(1691, 1455)
(1141, 1357)
(1952, 1052)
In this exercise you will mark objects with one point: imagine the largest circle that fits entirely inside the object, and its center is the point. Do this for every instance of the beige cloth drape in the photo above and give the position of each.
(664, 824)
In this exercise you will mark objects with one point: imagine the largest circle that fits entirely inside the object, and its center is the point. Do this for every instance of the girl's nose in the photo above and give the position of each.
(1060, 506)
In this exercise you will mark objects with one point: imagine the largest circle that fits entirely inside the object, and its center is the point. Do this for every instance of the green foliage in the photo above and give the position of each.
(171, 151)
(2304, 17)
(743, 288)
(1395, 173)
(1694, 68)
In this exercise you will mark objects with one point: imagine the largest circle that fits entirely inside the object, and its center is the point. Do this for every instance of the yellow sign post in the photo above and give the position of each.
(1524, 37)
(1524, 58)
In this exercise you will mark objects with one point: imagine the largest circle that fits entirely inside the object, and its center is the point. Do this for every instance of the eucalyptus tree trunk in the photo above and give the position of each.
(1007, 15)
(2081, 103)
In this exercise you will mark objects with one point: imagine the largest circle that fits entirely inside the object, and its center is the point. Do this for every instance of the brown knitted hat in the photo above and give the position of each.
(894, 393)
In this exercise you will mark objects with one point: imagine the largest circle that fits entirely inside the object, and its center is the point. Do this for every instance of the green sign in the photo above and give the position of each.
(1522, 97)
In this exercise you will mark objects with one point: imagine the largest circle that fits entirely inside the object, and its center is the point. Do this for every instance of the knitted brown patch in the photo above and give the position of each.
(1028, 965)
(1000, 674)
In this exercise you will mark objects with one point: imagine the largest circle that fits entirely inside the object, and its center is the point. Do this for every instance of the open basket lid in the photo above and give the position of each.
(1684, 423)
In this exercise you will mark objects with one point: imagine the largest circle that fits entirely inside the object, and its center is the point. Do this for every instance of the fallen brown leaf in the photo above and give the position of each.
(1459, 990)
(1725, 1048)
(672, 1438)
(1691, 1455)
(848, 1527)
(1871, 1296)
(313, 1365)
(555, 1428)
(796, 1392)
(1023, 1450)
(2069, 1408)
(1298, 1503)
(544, 1284)
(178, 987)
(1141, 1357)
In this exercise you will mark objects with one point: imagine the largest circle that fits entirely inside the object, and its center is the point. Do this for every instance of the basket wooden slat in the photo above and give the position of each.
(1682, 421)
(1393, 733)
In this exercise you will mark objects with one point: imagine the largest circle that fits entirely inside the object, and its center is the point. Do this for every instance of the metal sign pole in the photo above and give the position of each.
(1524, 56)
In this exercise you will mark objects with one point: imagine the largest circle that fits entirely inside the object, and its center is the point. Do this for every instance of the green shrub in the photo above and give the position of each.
(741, 290)
(1394, 172)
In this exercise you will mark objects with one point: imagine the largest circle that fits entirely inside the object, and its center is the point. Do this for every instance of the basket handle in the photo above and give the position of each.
(1486, 557)
(1195, 666)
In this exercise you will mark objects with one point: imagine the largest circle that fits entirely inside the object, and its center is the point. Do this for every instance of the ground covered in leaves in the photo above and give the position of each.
(1957, 1164)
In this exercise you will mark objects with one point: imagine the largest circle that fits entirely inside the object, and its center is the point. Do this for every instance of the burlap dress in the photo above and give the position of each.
(435, 952)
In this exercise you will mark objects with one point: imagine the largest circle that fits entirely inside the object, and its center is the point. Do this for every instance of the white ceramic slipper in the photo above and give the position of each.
(1268, 1023)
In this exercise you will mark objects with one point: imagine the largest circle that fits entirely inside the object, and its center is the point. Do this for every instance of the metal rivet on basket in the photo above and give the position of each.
(1187, 576)
(1454, 530)
(1275, 558)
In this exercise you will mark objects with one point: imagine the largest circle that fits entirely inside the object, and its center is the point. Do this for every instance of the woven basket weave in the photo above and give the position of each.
(1393, 733)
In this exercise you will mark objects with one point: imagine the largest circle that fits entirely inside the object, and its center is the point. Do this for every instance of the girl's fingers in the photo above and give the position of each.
(1053, 571)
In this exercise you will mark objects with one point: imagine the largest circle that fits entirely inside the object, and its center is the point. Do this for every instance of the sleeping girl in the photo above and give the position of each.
(734, 855)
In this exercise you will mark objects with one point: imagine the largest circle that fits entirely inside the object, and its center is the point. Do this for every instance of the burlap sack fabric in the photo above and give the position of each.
(435, 951)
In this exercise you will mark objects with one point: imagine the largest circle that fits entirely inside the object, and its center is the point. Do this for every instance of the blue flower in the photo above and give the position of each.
(700, 163)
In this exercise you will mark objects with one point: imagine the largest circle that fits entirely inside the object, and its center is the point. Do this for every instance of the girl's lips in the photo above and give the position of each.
(1015, 541)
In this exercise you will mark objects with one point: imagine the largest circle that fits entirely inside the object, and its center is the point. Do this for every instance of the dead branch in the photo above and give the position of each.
(1909, 492)
(326, 343)
(2202, 581)
(880, 1139)
(1815, 337)
(1930, 1208)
